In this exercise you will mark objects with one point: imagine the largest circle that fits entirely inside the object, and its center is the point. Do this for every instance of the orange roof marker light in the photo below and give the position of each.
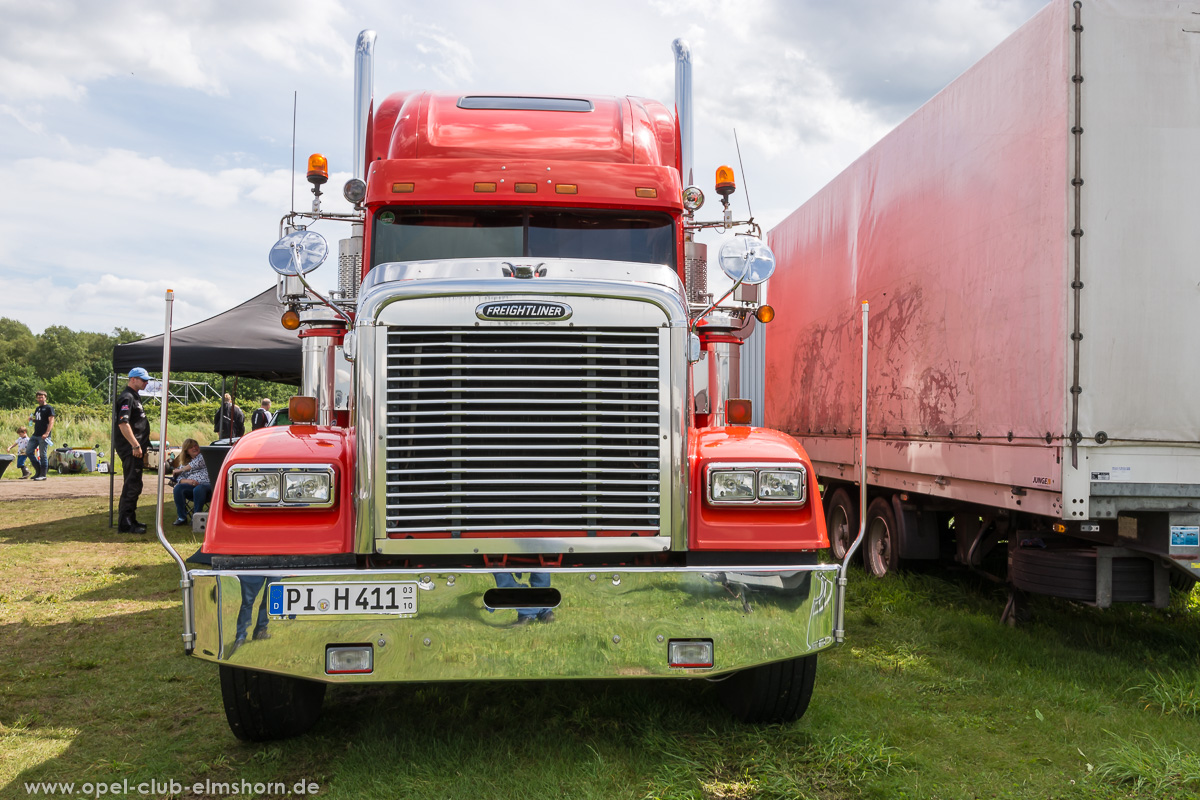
(318, 169)
(725, 182)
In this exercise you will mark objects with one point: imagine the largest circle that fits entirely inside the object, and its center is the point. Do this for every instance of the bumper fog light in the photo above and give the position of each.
(691, 653)
(351, 660)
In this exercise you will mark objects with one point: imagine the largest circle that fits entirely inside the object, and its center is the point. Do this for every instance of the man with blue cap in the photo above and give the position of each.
(131, 434)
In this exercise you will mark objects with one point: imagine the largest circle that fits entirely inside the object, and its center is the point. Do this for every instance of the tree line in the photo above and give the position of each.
(70, 365)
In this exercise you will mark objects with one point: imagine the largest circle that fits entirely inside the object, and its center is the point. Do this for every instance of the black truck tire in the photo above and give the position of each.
(778, 692)
(841, 523)
(881, 545)
(260, 706)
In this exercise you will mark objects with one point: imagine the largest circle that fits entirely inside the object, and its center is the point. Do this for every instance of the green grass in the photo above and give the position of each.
(930, 697)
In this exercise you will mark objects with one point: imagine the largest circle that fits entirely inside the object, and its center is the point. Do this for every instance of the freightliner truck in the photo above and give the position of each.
(1028, 242)
(519, 451)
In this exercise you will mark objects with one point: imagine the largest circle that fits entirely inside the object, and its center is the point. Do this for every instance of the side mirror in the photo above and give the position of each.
(298, 253)
(747, 258)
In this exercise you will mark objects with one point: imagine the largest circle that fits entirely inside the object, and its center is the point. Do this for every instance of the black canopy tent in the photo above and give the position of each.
(246, 341)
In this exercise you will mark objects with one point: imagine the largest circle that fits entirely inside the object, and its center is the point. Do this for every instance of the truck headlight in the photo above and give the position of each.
(281, 486)
(305, 487)
(757, 484)
(731, 486)
(780, 485)
(256, 487)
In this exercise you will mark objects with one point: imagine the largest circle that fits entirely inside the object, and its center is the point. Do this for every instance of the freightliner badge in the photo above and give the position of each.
(522, 310)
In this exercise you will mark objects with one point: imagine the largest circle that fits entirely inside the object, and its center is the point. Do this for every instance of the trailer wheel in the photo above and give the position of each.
(881, 551)
(778, 692)
(841, 521)
(260, 706)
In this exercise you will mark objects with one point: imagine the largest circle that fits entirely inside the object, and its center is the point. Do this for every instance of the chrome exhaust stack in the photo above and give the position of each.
(364, 97)
(683, 107)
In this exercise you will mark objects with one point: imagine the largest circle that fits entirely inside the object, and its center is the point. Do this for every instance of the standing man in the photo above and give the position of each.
(131, 434)
(261, 416)
(43, 423)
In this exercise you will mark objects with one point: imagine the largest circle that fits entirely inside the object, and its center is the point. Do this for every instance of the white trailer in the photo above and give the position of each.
(1029, 243)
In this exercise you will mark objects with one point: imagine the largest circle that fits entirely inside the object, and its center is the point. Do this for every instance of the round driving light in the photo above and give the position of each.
(693, 198)
(354, 191)
(764, 314)
(290, 320)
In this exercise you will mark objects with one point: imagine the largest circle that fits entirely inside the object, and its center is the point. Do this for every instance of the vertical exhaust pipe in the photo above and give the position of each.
(364, 96)
(683, 107)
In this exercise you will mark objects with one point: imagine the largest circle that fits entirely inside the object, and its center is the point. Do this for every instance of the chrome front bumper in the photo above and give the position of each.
(613, 623)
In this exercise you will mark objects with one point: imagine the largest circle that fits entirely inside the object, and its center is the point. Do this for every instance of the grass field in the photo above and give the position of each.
(930, 697)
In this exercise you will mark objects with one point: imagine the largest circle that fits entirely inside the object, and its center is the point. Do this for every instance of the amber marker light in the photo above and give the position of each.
(566, 188)
(302, 409)
(318, 169)
(525, 188)
(725, 182)
(764, 314)
(485, 187)
(737, 412)
(646, 192)
(402, 188)
(290, 320)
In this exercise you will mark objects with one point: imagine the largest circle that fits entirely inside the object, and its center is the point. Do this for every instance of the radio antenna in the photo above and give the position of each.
(294, 93)
(742, 169)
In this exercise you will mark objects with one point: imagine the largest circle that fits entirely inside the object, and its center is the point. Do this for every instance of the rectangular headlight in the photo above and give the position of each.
(731, 486)
(281, 486)
(780, 485)
(256, 487)
(305, 487)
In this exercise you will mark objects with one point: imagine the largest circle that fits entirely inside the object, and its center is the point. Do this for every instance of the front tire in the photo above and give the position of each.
(881, 543)
(841, 522)
(778, 692)
(260, 706)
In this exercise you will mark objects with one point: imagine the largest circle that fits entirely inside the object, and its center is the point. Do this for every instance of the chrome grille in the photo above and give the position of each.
(496, 431)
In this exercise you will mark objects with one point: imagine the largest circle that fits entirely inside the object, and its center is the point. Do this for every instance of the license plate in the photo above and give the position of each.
(296, 599)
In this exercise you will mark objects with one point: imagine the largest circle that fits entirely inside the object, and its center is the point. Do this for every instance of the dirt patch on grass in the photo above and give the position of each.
(59, 487)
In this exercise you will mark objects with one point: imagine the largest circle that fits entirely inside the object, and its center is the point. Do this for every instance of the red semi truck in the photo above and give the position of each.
(1028, 242)
(519, 452)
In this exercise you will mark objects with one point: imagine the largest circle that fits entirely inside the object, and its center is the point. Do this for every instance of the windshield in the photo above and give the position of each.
(419, 234)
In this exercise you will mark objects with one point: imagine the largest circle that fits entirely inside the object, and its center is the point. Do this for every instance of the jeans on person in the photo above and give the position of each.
(198, 494)
(38, 444)
(537, 580)
(251, 586)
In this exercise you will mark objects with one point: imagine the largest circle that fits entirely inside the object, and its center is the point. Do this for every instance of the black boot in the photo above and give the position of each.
(130, 525)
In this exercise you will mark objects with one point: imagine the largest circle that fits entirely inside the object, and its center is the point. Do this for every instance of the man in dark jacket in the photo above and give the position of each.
(131, 439)
(229, 418)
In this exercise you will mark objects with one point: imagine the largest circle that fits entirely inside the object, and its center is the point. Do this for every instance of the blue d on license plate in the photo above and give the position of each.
(296, 599)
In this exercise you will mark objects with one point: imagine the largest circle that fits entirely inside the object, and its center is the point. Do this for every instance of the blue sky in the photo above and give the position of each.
(147, 145)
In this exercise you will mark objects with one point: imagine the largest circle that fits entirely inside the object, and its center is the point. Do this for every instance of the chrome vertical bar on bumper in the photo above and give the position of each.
(608, 623)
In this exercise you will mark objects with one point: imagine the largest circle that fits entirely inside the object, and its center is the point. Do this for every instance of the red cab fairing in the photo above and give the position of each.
(287, 531)
(751, 527)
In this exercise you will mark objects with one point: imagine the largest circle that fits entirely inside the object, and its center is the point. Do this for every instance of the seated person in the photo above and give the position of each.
(191, 477)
